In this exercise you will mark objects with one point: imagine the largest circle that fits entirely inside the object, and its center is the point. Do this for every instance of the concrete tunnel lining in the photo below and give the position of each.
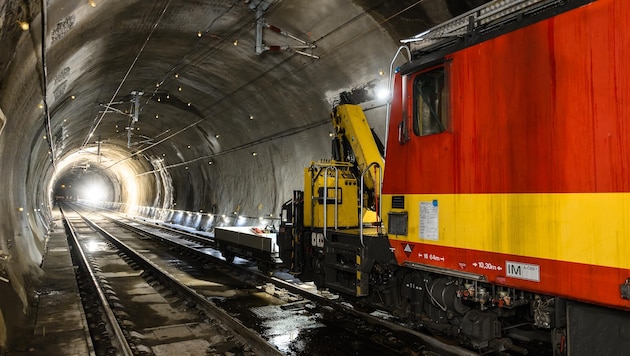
(221, 129)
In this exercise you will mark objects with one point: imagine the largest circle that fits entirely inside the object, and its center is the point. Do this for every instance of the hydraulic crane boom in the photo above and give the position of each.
(352, 128)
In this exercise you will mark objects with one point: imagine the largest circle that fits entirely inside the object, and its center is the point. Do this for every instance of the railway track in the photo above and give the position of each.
(136, 307)
(293, 318)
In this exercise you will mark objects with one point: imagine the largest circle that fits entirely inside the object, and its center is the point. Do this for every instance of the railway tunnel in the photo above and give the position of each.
(168, 108)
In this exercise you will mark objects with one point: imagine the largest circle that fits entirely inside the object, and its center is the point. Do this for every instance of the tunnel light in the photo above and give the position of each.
(24, 25)
(72, 97)
(189, 103)
(40, 106)
(210, 162)
(254, 154)
(179, 88)
(199, 34)
(20, 209)
(44, 137)
(176, 75)
(217, 136)
(168, 96)
(186, 167)
(236, 42)
(94, 192)
(188, 146)
(381, 72)
(251, 117)
(92, 3)
(382, 93)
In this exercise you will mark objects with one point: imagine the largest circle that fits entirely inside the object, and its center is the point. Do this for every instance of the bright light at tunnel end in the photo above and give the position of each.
(94, 192)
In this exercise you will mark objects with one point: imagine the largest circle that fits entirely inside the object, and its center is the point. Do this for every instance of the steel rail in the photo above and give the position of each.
(320, 299)
(246, 335)
(121, 343)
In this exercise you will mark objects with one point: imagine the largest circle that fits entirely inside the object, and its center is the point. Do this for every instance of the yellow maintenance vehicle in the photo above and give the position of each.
(331, 232)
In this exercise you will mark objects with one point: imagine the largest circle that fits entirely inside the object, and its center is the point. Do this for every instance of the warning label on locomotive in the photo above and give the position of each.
(522, 271)
(429, 220)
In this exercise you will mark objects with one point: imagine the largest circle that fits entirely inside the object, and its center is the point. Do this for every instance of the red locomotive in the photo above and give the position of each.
(505, 197)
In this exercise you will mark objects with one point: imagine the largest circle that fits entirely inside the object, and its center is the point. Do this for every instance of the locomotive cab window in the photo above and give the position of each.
(431, 102)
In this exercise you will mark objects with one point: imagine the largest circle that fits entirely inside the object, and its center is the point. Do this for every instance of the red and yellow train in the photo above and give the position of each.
(505, 198)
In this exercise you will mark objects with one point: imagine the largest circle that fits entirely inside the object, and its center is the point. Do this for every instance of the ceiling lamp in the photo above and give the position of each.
(23, 25)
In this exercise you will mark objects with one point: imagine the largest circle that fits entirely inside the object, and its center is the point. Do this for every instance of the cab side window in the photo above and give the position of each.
(431, 102)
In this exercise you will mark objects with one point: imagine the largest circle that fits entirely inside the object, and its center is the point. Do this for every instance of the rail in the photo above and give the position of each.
(247, 335)
(121, 345)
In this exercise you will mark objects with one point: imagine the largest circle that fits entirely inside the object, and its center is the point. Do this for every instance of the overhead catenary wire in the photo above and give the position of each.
(47, 121)
(263, 74)
(99, 119)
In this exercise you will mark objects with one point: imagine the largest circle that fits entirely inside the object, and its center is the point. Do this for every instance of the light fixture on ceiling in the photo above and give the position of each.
(254, 154)
(92, 3)
(236, 42)
(179, 88)
(23, 25)
(199, 34)
(189, 103)
(251, 117)
(217, 136)
(176, 75)
(188, 146)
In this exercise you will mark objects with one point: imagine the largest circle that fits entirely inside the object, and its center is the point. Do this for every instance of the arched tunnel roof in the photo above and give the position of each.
(211, 106)
(190, 87)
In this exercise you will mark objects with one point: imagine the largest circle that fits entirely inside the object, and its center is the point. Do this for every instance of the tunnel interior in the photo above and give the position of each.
(196, 112)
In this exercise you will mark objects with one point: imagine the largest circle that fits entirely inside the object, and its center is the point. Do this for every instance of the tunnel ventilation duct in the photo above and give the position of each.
(260, 7)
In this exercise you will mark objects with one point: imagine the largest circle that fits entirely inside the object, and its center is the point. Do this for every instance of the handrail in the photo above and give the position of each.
(391, 94)
(380, 201)
(326, 197)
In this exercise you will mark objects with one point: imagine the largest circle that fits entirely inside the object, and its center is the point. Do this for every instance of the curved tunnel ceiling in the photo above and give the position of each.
(182, 86)
(172, 104)
(197, 105)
